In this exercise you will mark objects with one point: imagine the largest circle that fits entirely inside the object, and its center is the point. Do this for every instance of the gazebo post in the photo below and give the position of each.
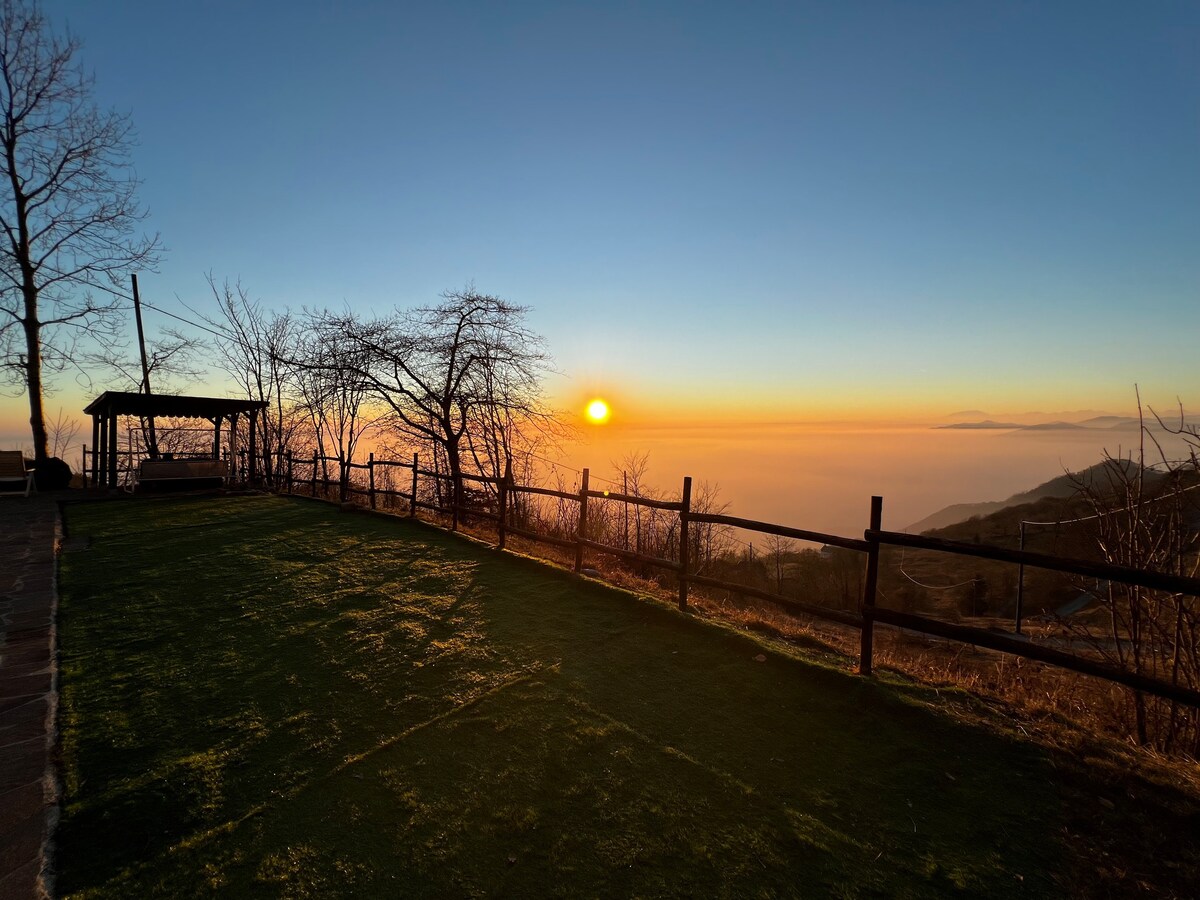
(253, 467)
(111, 462)
(233, 457)
(95, 447)
(101, 462)
(99, 441)
(216, 423)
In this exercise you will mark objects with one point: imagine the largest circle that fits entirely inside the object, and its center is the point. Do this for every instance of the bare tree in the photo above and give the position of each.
(258, 351)
(1147, 518)
(68, 210)
(62, 432)
(332, 393)
(633, 482)
(778, 550)
(707, 539)
(444, 370)
(171, 358)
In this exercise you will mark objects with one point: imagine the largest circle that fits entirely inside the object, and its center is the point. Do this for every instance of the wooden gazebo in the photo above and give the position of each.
(105, 409)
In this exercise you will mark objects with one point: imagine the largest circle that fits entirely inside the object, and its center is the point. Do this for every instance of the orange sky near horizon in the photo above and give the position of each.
(717, 407)
(809, 472)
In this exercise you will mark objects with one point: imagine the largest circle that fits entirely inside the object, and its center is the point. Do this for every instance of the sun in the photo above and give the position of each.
(597, 412)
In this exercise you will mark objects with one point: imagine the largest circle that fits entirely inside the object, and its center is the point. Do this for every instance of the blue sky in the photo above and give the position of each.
(777, 210)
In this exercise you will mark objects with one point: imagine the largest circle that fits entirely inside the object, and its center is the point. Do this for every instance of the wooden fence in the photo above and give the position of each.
(874, 538)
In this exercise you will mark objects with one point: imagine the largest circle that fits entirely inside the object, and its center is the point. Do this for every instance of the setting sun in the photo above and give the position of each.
(597, 412)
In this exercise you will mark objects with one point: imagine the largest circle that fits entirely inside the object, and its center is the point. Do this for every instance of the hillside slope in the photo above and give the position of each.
(1066, 485)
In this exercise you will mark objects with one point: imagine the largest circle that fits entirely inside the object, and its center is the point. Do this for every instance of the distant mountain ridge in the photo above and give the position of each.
(1055, 426)
(1102, 423)
(966, 416)
(981, 426)
(1062, 487)
(1095, 423)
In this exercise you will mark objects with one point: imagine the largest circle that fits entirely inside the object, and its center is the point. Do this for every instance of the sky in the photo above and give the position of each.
(767, 212)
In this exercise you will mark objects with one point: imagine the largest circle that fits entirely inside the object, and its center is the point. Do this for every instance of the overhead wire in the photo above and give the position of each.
(928, 587)
(934, 587)
(1111, 512)
(209, 328)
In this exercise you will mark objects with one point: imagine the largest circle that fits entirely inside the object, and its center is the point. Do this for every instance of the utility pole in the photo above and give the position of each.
(137, 313)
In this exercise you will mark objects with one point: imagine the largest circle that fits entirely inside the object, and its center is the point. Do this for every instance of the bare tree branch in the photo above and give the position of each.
(68, 208)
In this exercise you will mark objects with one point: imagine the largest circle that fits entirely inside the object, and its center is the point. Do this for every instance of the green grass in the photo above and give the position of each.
(268, 697)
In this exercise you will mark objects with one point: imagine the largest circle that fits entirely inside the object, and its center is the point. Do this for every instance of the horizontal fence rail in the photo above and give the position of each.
(809, 609)
(544, 492)
(568, 543)
(877, 537)
(447, 500)
(670, 505)
(480, 479)
(981, 637)
(799, 534)
(1178, 584)
(632, 555)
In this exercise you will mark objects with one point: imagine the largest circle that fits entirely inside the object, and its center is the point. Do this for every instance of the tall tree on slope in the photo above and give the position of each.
(68, 212)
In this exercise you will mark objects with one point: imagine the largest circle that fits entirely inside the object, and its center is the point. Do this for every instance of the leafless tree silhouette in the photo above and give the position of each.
(464, 373)
(68, 210)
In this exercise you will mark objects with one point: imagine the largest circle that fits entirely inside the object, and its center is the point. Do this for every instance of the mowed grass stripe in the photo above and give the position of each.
(287, 700)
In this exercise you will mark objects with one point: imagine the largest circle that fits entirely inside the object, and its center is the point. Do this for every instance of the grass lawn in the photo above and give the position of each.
(269, 697)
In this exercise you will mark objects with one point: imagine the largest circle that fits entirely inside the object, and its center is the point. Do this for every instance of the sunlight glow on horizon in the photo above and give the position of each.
(597, 412)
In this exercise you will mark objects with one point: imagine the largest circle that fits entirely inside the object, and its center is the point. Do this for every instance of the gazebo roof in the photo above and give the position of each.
(125, 403)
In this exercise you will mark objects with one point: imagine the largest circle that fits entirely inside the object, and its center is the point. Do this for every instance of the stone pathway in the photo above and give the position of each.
(29, 535)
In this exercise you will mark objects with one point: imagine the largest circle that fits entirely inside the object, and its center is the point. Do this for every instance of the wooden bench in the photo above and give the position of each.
(181, 474)
(13, 471)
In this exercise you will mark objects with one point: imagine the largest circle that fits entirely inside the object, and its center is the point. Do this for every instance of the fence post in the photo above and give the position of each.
(343, 480)
(289, 471)
(503, 503)
(581, 532)
(84, 462)
(868, 607)
(1020, 583)
(683, 542)
(371, 478)
(314, 474)
(625, 504)
(412, 504)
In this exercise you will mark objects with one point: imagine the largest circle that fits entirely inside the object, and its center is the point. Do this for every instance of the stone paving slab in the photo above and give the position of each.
(29, 537)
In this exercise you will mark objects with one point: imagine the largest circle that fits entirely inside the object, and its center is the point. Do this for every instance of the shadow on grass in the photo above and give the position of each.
(290, 700)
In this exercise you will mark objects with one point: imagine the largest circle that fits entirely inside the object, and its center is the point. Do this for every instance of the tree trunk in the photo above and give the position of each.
(31, 323)
(454, 462)
(33, 377)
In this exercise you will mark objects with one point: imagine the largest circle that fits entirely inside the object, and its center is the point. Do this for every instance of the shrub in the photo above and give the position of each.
(52, 475)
